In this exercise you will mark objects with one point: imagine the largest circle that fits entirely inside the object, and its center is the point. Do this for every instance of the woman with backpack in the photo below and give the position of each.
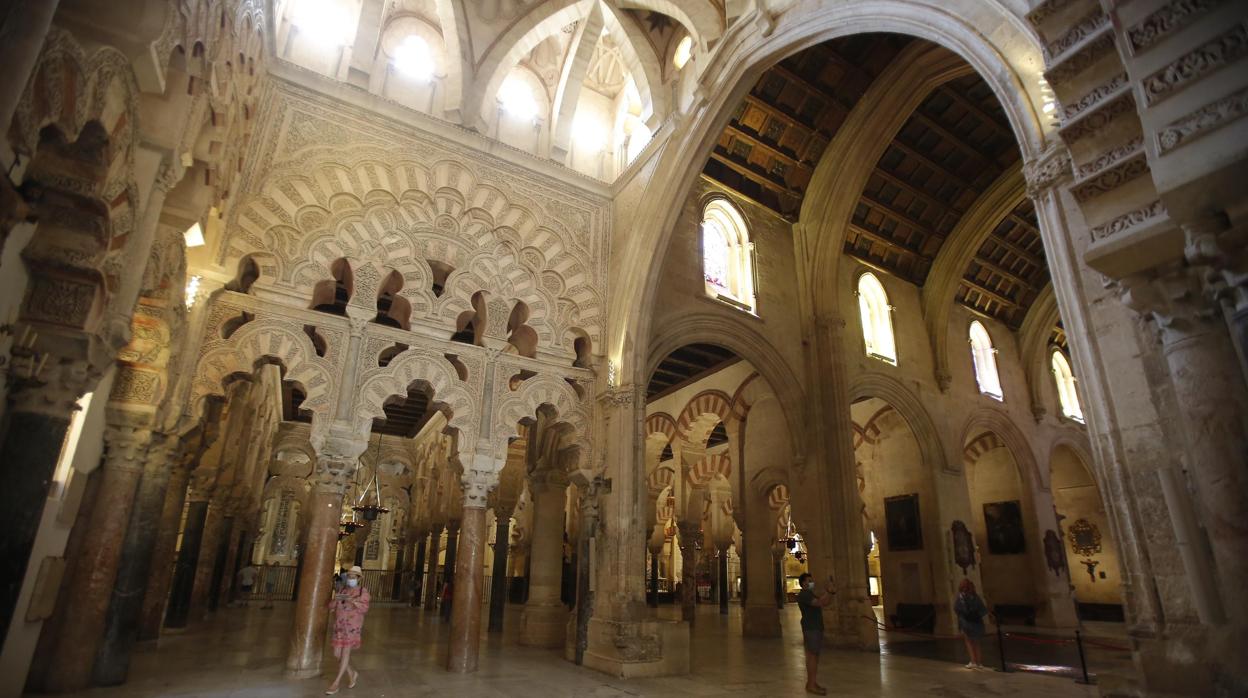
(971, 611)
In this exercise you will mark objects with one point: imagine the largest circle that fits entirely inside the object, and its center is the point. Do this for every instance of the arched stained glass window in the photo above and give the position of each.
(985, 357)
(877, 319)
(1066, 392)
(727, 255)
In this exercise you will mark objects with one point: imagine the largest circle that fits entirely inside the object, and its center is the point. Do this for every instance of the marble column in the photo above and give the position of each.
(431, 579)
(418, 575)
(163, 553)
(206, 565)
(448, 566)
(544, 620)
(498, 579)
(396, 585)
(654, 575)
(179, 609)
(690, 538)
(112, 662)
(223, 571)
(465, 643)
(307, 638)
(34, 429)
(90, 591)
(723, 580)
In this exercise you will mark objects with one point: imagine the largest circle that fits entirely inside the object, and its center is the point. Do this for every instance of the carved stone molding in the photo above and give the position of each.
(1085, 27)
(1110, 157)
(1146, 214)
(1111, 178)
(1173, 298)
(1205, 120)
(1093, 121)
(1045, 10)
(1091, 99)
(56, 391)
(1172, 16)
(1209, 57)
(1079, 59)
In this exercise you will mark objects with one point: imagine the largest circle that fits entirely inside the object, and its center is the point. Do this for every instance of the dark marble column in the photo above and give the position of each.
(223, 570)
(223, 534)
(723, 581)
(418, 573)
(431, 581)
(498, 581)
(448, 568)
(779, 577)
(90, 592)
(34, 430)
(307, 639)
(654, 577)
(179, 608)
(396, 589)
(690, 534)
(121, 630)
(163, 554)
(468, 583)
(206, 565)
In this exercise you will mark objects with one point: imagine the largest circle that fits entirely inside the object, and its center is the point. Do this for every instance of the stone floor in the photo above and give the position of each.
(241, 652)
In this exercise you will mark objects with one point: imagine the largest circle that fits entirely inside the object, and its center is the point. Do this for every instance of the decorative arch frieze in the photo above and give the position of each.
(545, 389)
(417, 364)
(387, 214)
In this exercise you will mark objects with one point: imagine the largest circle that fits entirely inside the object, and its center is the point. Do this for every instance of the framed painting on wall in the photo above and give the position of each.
(901, 514)
(1003, 522)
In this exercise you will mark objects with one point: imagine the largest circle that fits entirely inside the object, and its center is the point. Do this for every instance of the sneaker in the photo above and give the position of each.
(971, 665)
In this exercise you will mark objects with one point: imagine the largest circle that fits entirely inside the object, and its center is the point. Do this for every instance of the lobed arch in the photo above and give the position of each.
(1004, 59)
(449, 394)
(536, 393)
(746, 342)
(260, 339)
(901, 399)
(959, 248)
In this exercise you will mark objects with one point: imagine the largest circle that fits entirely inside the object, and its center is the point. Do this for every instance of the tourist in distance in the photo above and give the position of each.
(349, 606)
(247, 582)
(971, 611)
(811, 606)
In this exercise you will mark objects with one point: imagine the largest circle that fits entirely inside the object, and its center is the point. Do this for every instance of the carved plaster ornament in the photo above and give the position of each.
(1085, 538)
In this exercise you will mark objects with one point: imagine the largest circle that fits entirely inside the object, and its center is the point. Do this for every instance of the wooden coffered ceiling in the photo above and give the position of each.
(947, 154)
(687, 365)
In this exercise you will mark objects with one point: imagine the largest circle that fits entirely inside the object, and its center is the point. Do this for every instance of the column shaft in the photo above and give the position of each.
(468, 585)
(544, 620)
(307, 638)
(723, 581)
(163, 555)
(654, 577)
(34, 441)
(201, 592)
(418, 574)
(396, 587)
(689, 535)
(231, 540)
(179, 611)
(448, 568)
(431, 580)
(134, 572)
(498, 581)
(91, 590)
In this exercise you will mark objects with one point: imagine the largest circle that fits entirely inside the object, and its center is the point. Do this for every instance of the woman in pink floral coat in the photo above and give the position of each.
(349, 606)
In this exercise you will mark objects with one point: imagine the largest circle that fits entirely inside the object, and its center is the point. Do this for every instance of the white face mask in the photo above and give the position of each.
(352, 582)
(810, 586)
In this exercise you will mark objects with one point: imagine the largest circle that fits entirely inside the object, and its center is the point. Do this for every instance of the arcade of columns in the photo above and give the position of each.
(310, 197)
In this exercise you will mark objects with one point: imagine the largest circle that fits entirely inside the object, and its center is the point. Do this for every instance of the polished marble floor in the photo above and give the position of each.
(241, 652)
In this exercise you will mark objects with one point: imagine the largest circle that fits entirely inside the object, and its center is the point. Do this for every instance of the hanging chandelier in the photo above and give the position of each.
(370, 512)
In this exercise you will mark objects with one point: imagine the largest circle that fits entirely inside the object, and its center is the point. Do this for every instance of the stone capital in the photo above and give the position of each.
(1051, 169)
(477, 483)
(623, 396)
(1174, 298)
(50, 387)
(126, 447)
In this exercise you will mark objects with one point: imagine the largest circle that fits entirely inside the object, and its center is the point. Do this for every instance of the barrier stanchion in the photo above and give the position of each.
(1001, 647)
(1083, 662)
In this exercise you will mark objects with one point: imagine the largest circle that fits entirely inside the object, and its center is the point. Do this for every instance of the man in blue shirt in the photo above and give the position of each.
(812, 627)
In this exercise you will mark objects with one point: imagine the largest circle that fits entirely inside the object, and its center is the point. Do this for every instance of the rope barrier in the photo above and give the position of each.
(1040, 640)
(1105, 645)
(925, 636)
